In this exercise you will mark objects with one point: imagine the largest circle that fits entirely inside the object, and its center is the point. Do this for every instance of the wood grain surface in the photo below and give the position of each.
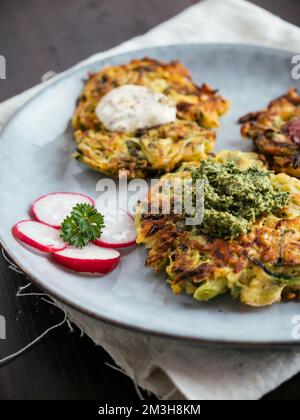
(35, 37)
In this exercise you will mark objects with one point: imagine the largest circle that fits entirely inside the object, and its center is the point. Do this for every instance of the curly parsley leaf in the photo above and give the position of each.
(83, 225)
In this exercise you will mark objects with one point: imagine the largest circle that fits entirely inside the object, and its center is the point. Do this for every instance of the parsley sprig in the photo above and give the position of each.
(83, 225)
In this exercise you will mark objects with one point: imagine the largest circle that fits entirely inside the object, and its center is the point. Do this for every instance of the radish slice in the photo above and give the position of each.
(52, 209)
(119, 231)
(90, 259)
(39, 236)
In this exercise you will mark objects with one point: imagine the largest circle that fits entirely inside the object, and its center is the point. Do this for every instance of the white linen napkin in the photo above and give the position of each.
(170, 369)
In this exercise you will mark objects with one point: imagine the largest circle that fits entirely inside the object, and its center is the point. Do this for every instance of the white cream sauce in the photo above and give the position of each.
(131, 107)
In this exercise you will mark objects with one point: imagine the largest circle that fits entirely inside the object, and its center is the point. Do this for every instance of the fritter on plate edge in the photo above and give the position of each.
(275, 132)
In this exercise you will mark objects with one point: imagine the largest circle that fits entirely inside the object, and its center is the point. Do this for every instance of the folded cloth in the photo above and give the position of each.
(168, 368)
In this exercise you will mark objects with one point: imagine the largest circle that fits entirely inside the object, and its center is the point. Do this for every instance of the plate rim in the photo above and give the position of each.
(125, 325)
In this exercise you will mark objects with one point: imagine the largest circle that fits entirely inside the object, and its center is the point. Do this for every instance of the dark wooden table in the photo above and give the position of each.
(35, 37)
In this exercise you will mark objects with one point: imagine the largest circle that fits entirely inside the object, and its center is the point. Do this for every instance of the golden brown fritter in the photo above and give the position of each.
(258, 268)
(275, 132)
(189, 138)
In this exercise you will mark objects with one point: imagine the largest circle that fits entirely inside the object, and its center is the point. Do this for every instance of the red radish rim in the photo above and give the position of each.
(104, 266)
(104, 244)
(20, 236)
(92, 202)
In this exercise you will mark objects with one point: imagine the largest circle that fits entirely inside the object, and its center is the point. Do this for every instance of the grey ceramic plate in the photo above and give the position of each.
(35, 151)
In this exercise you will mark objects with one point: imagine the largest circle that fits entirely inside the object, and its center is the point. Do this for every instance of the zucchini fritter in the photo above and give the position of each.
(162, 148)
(258, 268)
(275, 132)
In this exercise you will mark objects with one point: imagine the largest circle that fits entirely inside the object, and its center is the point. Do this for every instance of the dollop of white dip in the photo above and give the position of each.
(132, 107)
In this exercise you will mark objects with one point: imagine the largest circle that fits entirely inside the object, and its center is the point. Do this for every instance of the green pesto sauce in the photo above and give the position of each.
(235, 199)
